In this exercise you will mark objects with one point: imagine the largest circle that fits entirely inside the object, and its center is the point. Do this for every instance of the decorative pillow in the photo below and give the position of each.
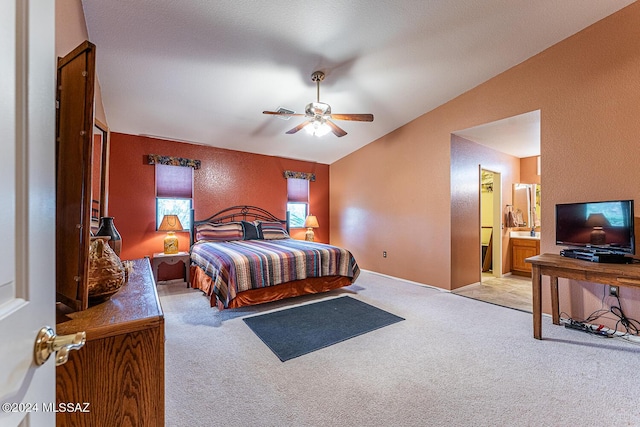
(251, 231)
(274, 230)
(219, 232)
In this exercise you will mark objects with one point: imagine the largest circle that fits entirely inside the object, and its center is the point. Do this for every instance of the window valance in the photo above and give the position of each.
(300, 175)
(173, 161)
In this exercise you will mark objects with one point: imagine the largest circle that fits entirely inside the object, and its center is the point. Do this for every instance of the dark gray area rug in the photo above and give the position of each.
(300, 330)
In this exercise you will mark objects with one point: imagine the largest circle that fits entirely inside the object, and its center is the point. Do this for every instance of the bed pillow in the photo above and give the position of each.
(251, 231)
(222, 232)
(274, 230)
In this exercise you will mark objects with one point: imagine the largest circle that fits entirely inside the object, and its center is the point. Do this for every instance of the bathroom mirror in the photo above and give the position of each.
(526, 201)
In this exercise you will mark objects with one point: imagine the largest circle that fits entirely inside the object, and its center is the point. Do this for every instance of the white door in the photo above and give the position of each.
(27, 208)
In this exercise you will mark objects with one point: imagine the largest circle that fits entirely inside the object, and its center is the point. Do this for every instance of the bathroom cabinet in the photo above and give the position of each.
(522, 249)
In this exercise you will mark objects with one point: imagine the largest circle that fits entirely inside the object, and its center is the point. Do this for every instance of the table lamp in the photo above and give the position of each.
(597, 221)
(311, 222)
(170, 224)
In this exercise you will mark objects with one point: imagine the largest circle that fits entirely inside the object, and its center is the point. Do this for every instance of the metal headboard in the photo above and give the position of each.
(237, 213)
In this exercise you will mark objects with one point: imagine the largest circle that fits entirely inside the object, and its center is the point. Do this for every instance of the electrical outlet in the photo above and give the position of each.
(613, 291)
(384, 254)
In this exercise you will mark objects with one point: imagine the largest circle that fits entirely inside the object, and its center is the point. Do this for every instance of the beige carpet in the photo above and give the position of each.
(454, 361)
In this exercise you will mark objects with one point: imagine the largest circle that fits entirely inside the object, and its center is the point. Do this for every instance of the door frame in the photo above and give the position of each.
(496, 224)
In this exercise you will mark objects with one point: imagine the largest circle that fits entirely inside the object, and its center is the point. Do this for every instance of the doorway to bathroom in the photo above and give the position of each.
(495, 287)
(509, 147)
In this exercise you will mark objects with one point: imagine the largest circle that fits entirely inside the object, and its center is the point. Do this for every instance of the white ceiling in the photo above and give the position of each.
(203, 71)
(518, 136)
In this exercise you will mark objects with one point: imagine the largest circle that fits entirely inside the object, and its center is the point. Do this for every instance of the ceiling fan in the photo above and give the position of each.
(318, 115)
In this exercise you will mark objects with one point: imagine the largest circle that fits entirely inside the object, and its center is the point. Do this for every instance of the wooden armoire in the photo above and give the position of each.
(119, 371)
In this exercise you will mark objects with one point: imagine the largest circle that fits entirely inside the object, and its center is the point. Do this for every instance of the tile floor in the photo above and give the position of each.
(509, 291)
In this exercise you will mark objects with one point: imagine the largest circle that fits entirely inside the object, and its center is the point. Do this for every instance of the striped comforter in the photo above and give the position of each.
(240, 265)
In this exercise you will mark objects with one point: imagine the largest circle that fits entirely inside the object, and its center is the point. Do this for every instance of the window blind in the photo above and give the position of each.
(174, 181)
(298, 190)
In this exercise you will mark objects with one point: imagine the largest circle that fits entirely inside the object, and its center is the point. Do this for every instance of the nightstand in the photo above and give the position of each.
(161, 257)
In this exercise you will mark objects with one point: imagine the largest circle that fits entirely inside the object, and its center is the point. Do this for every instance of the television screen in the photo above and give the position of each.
(598, 225)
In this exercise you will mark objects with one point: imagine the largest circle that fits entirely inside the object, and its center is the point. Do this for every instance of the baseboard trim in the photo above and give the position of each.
(411, 282)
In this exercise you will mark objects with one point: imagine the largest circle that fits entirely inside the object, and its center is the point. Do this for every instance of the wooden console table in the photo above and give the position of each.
(555, 266)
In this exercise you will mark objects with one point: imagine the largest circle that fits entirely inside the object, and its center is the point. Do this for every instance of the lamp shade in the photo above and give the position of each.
(170, 223)
(311, 222)
(597, 220)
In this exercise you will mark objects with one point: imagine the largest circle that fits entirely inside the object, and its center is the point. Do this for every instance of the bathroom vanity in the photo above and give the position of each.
(523, 246)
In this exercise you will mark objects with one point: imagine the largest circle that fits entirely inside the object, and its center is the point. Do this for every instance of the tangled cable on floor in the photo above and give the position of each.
(624, 325)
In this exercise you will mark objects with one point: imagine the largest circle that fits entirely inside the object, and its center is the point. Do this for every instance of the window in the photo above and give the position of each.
(174, 193)
(297, 214)
(297, 201)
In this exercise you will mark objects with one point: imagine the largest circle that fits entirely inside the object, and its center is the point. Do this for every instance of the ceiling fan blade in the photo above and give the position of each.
(337, 131)
(297, 128)
(276, 113)
(353, 117)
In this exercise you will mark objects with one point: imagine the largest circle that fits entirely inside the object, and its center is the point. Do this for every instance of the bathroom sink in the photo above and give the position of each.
(524, 235)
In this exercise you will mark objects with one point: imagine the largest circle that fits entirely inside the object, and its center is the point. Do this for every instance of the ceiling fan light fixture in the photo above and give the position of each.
(317, 128)
(317, 109)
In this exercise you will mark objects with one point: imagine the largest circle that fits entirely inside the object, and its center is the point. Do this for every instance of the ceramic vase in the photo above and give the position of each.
(106, 271)
(107, 228)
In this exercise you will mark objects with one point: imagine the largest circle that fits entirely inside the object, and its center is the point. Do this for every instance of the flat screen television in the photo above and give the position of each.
(596, 225)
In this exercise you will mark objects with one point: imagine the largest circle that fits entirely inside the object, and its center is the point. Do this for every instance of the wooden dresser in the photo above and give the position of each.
(120, 370)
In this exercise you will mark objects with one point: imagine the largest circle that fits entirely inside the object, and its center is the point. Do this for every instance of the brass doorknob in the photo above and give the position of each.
(47, 342)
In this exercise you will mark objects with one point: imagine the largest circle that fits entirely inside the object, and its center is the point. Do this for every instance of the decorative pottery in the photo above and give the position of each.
(106, 272)
(107, 228)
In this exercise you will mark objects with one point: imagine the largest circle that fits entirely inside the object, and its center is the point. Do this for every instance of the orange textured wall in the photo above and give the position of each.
(396, 191)
(226, 178)
(529, 170)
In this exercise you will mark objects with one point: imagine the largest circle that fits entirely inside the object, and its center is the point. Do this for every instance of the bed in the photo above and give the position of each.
(244, 255)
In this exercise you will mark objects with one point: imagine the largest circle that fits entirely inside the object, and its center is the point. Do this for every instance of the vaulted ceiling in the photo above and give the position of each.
(203, 71)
